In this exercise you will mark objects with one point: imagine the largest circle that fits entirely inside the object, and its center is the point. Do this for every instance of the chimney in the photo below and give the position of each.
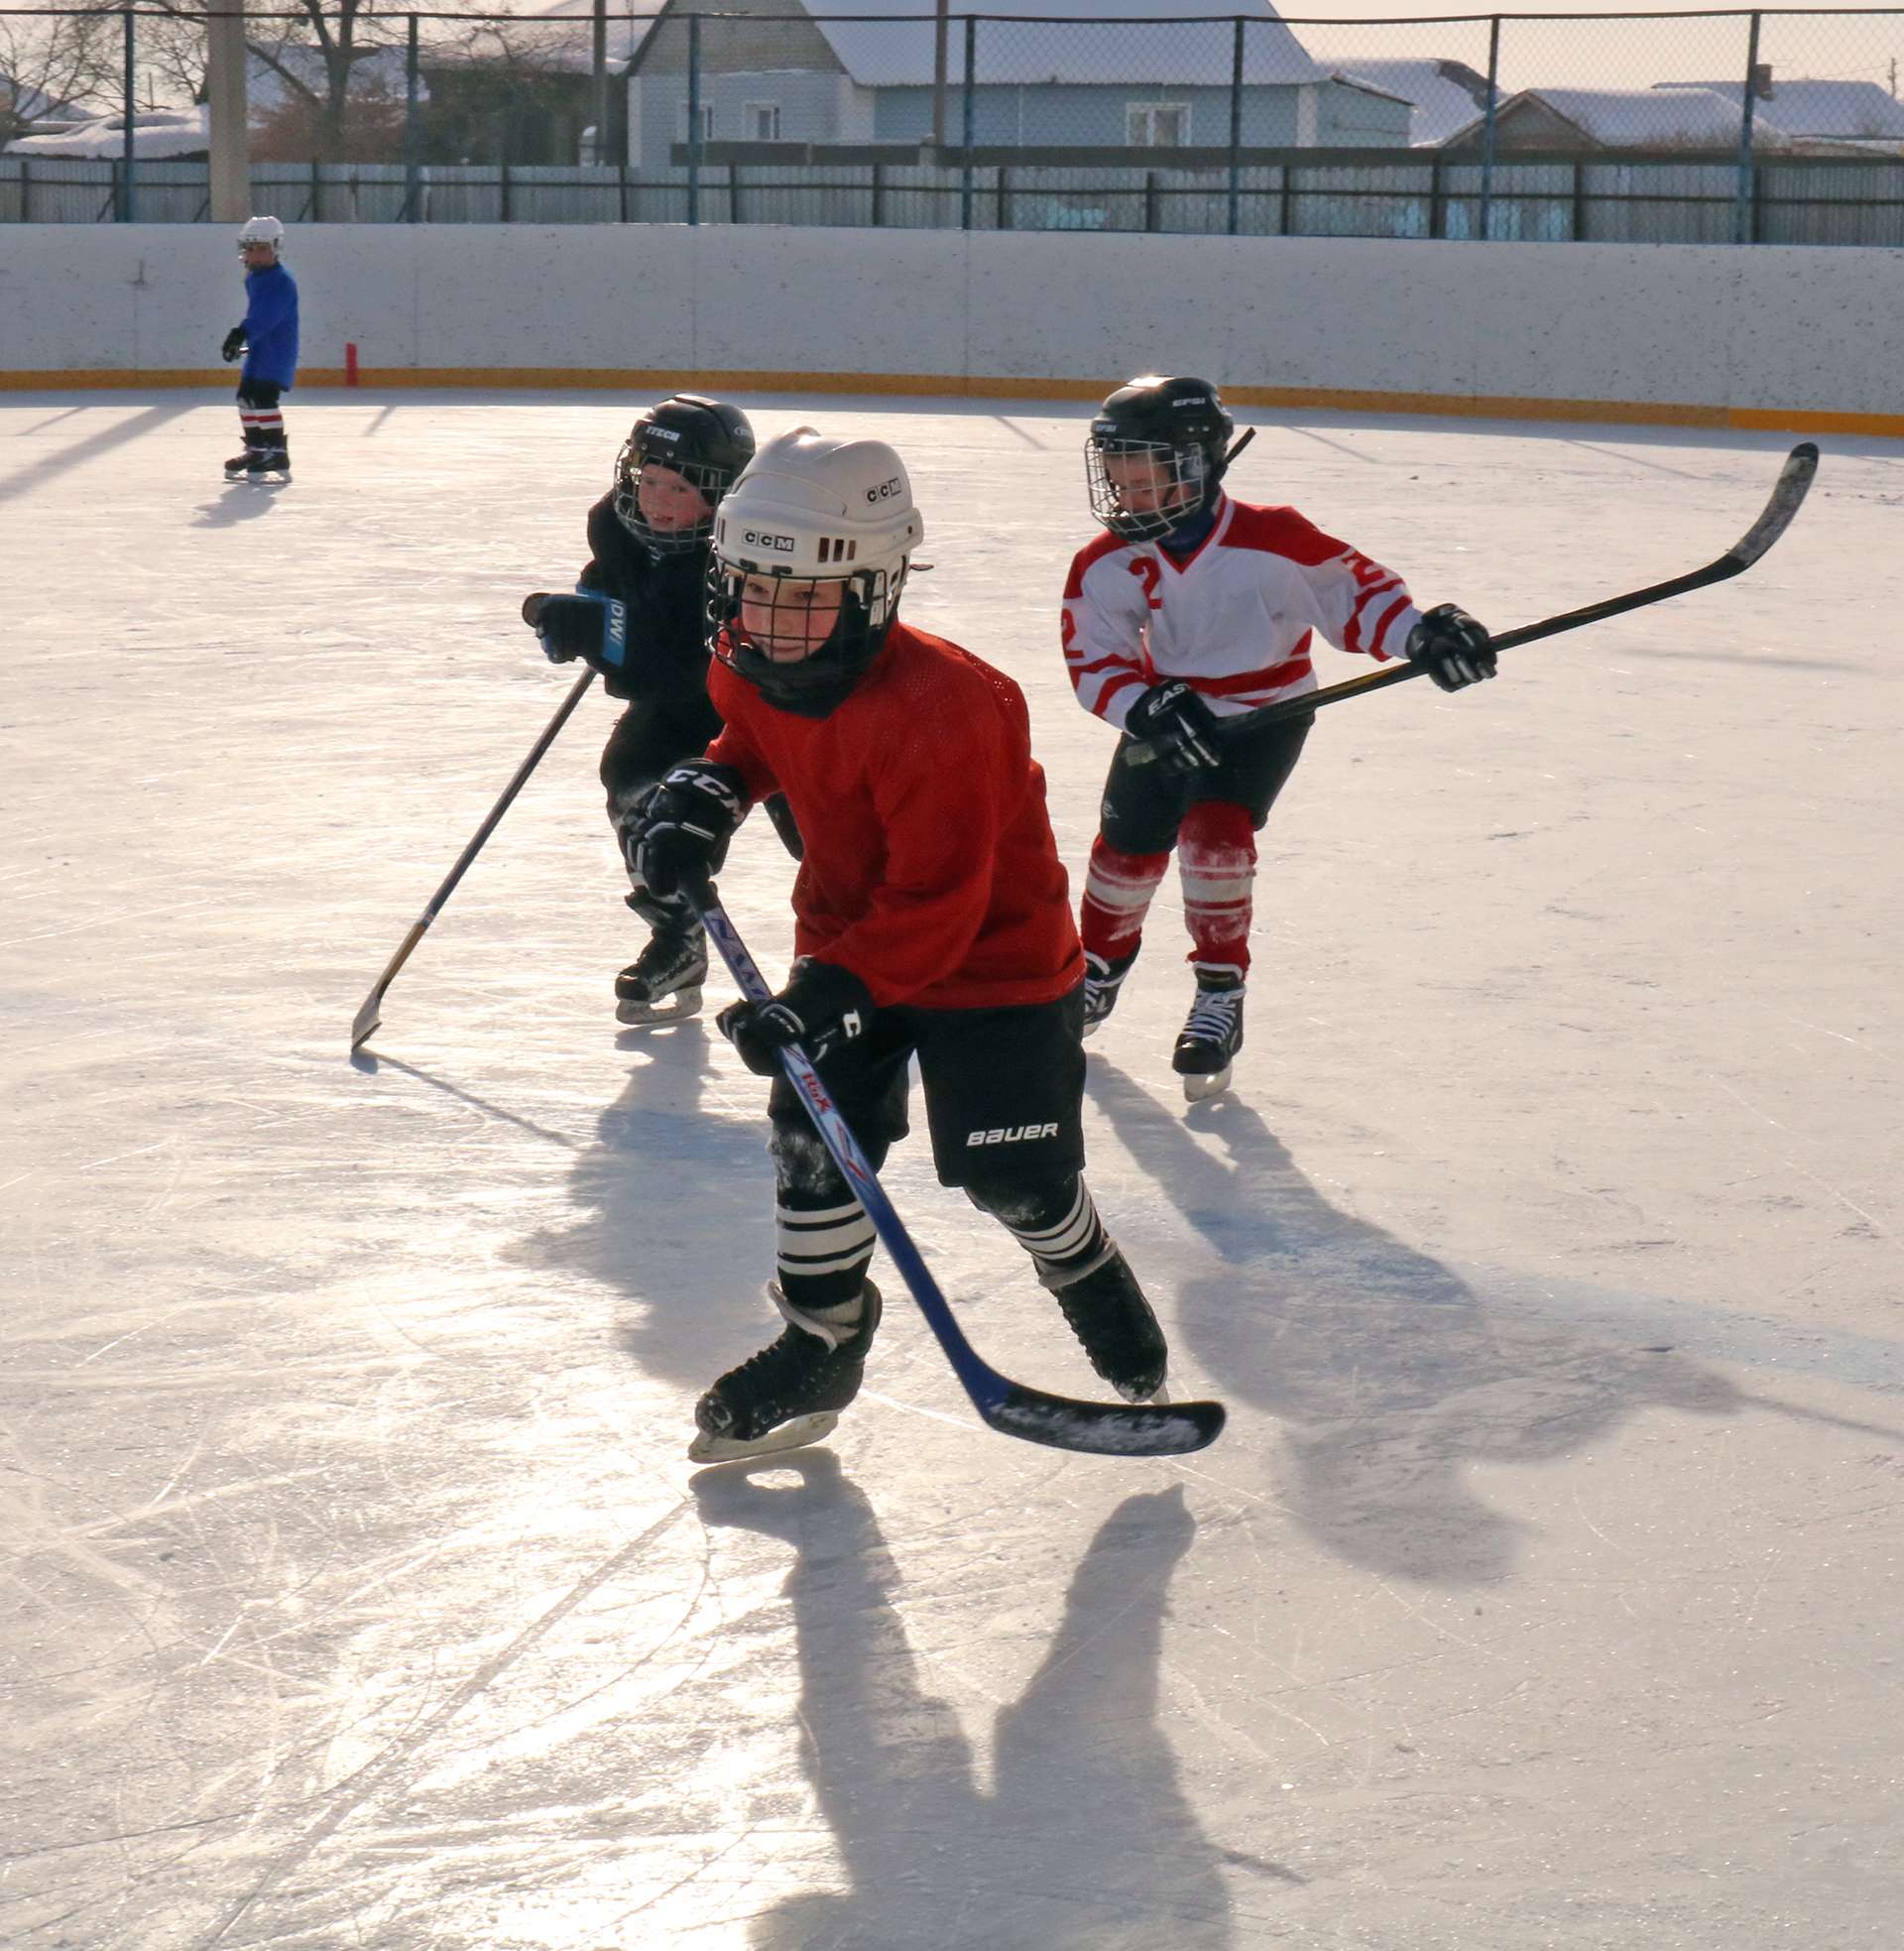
(1762, 81)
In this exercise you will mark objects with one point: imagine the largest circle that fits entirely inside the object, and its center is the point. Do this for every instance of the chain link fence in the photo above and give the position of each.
(1714, 127)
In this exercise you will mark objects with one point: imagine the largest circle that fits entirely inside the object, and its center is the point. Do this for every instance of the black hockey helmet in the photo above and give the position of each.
(706, 441)
(1180, 429)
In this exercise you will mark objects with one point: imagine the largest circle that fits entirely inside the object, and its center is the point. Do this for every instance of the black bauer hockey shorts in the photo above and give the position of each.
(1003, 1088)
(1144, 806)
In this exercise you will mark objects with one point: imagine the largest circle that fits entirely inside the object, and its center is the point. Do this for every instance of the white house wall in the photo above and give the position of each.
(1766, 336)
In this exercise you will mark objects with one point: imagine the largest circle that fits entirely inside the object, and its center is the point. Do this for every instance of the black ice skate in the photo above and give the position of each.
(274, 464)
(664, 983)
(240, 467)
(1108, 1315)
(1102, 980)
(1211, 1035)
(791, 1392)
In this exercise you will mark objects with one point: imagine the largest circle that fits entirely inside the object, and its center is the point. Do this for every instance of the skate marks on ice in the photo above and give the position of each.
(1390, 1377)
(673, 1212)
(1077, 1837)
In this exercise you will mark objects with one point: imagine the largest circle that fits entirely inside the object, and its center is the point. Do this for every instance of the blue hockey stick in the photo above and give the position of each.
(1102, 1429)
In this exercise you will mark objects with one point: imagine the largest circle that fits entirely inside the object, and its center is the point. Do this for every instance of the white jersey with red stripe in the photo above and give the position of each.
(1233, 619)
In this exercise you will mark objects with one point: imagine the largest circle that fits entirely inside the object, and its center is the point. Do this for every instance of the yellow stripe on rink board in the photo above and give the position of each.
(1433, 406)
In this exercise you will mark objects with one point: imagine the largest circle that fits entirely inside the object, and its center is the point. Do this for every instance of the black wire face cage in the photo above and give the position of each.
(823, 678)
(1182, 473)
(712, 481)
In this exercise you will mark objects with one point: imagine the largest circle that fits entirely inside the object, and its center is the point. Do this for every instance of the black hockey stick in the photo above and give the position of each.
(367, 1017)
(1100, 1428)
(1794, 479)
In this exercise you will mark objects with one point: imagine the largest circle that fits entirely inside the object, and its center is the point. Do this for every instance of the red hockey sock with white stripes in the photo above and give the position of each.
(1117, 889)
(1217, 861)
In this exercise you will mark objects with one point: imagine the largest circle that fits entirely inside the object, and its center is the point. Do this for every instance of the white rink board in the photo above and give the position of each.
(1544, 1591)
(1762, 329)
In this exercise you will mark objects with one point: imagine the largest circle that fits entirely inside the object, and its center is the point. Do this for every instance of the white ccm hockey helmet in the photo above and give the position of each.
(261, 230)
(807, 514)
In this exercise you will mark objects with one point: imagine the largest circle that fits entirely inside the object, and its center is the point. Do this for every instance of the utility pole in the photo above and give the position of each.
(941, 25)
(601, 82)
(230, 165)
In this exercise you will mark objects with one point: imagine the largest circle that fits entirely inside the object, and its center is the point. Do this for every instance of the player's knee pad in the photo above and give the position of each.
(804, 1173)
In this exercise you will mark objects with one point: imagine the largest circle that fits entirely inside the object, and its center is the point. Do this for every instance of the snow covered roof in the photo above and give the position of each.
(1443, 101)
(1186, 43)
(155, 137)
(1639, 118)
(31, 105)
(1856, 110)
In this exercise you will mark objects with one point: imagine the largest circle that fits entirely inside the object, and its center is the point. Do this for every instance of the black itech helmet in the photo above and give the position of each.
(1157, 452)
(705, 441)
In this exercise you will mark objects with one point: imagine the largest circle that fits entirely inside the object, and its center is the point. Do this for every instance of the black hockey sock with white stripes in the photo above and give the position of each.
(823, 1237)
(1057, 1223)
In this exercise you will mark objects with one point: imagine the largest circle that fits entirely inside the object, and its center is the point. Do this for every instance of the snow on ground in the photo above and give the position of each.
(1545, 1589)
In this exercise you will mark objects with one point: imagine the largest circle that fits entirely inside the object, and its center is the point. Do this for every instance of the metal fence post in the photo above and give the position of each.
(694, 118)
(1236, 127)
(971, 119)
(128, 202)
(1743, 207)
(413, 134)
(1486, 224)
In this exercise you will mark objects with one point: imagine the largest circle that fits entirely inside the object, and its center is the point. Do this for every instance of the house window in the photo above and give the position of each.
(707, 122)
(1156, 124)
(761, 121)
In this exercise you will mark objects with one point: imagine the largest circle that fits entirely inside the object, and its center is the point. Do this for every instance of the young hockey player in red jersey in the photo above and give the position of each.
(1192, 612)
(637, 619)
(930, 920)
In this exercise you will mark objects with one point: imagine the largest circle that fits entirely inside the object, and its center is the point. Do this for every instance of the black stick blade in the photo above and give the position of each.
(1105, 1428)
(1794, 481)
(367, 1020)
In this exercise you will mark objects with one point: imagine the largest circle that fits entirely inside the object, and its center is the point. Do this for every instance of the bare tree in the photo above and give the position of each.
(313, 57)
(50, 64)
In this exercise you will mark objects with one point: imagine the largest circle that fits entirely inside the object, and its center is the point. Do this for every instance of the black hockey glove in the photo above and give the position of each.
(822, 1007)
(1179, 728)
(234, 345)
(1453, 646)
(677, 836)
(588, 626)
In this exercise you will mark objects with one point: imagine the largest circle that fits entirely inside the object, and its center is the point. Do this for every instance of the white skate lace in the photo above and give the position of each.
(1213, 1015)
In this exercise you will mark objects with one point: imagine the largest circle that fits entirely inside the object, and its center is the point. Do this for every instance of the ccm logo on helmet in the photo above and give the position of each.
(886, 490)
(1010, 1135)
(781, 545)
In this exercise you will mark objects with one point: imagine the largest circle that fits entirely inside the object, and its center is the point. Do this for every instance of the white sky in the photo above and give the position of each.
(1544, 1589)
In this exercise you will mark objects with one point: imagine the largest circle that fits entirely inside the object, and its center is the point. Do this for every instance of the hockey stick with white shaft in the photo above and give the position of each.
(1794, 479)
(1100, 1428)
(368, 1018)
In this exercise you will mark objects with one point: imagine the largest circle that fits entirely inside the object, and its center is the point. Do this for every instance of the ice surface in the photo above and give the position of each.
(1546, 1586)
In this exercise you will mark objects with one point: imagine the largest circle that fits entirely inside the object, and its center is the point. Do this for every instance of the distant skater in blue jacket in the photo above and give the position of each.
(268, 340)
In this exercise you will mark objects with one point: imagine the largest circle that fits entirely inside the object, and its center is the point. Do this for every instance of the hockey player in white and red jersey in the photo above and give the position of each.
(1192, 612)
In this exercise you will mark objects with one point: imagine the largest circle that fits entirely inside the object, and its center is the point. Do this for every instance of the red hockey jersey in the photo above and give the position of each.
(930, 868)
(1233, 619)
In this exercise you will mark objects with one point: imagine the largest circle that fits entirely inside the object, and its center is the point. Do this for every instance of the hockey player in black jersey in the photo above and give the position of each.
(638, 618)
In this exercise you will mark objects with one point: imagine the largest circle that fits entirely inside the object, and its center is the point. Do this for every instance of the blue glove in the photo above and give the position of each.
(822, 1009)
(1453, 646)
(1180, 729)
(588, 626)
(234, 344)
(677, 836)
